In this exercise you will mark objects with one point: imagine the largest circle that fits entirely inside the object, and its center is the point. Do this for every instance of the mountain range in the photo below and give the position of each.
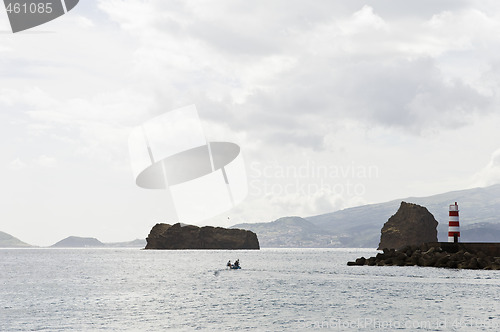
(360, 226)
(357, 227)
(8, 241)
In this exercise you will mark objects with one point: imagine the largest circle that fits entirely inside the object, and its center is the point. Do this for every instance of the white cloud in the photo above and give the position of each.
(46, 161)
(17, 164)
(84, 22)
(462, 30)
(490, 174)
(338, 67)
(364, 20)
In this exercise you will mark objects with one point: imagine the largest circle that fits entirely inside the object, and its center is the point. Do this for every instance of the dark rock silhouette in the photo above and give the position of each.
(448, 255)
(165, 236)
(411, 225)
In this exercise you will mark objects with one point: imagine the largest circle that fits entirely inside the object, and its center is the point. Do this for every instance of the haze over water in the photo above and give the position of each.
(276, 289)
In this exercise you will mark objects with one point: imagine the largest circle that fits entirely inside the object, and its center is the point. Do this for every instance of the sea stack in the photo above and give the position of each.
(177, 236)
(411, 225)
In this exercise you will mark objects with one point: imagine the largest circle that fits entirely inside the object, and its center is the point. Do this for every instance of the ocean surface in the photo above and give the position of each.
(276, 290)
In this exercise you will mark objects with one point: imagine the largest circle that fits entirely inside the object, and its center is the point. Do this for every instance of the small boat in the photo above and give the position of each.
(235, 266)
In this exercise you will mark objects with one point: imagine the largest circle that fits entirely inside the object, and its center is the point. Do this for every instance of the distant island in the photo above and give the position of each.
(78, 242)
(90, 242)
(9, 241)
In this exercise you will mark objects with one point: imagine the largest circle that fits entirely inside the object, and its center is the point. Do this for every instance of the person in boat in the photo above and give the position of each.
(237, 263)
(229, 265)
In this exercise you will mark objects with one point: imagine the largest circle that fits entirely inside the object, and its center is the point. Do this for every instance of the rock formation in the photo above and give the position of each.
(165, 236)
(411, 225)
(461, 256)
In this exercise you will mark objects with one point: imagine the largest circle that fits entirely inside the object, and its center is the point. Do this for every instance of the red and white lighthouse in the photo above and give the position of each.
(453, 226)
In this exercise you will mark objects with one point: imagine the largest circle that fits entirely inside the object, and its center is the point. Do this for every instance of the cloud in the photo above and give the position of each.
(490, 174)
(84, 22)
(287, 77)
(17, 164)
(94, 128)
(410, 95)
(41, 161)
(364, 20)
(46, 161)
(290, 76)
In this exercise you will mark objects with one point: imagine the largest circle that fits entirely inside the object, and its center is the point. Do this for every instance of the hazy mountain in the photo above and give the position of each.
(291, 232)
(90, 242)
(78, 242)
(8, 241)
(481, 232)
(360, 226)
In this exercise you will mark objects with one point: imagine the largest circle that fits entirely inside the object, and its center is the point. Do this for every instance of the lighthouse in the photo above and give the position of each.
(453, 226)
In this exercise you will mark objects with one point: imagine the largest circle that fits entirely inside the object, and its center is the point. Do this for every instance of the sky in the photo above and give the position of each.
(334, 104)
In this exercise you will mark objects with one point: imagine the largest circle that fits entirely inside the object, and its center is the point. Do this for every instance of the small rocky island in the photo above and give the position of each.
(409, 238)
(177, 236)
(411, 225)
(78, 242)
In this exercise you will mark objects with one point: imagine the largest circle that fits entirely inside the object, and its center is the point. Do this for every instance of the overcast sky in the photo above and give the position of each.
(334, 104)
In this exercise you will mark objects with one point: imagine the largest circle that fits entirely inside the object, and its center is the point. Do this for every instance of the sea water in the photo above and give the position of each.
(276, 289)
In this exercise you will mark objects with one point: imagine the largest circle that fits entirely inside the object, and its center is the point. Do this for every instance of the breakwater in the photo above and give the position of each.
(439, 254)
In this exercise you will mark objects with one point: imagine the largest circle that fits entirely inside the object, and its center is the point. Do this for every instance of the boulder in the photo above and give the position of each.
(432, 256)
(177, 236)
(411, 225)
(361, 261)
